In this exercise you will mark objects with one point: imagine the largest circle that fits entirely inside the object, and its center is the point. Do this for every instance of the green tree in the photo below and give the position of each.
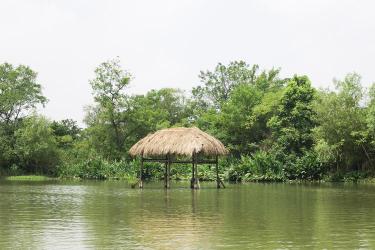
(118, 120)
(236, 120)
(367, 140)
(219, 83)
(292, 125)
(156, 110)
(235, 102)
(342, 121)
(66, 132)
(370, 116)
(171, 102)
(105, 119)
(66, 127)
(36, 146)
(19, 93)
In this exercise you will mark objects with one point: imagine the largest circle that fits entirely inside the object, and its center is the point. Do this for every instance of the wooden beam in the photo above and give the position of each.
(181, 162)
(196, 162)
(155, 160)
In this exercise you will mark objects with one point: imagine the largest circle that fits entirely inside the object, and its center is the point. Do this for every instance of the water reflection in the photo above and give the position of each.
(110, 214)
(31, 214)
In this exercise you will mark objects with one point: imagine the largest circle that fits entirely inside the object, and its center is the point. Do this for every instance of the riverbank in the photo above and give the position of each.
(29, 178)
(256, 179)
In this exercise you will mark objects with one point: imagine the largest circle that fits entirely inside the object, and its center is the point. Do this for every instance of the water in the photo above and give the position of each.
(91, 214)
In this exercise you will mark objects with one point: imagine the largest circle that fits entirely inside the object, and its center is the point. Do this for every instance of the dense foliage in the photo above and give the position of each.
(276, 128)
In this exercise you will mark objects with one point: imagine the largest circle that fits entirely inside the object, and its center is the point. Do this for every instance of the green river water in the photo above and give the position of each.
(97, 214)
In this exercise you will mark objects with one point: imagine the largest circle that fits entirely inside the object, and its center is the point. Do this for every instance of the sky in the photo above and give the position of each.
(167, 43)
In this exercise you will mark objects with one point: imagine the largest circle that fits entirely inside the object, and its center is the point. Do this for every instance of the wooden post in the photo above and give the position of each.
(168, 172)
(196, 183)
(217, 173)
(192, 175)
(165, 174)
(140, 174)
(222, 183)
(196, 179)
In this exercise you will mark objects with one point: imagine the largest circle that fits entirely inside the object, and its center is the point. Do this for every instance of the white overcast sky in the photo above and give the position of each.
(166, 43)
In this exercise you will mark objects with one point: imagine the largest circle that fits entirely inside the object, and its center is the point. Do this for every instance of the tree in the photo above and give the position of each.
(170, 101)
(342, 122)
(19, 92)
(66, 132)
(236, 119)
(36, 146)
(293, 124)
(235, 102)
(218, 84)
(370, 117)
(368, 137)
(118, 120)
(108, 89)
(155, 110)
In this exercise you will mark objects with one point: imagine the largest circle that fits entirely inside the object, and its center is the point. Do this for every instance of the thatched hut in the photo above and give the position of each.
(167, 145)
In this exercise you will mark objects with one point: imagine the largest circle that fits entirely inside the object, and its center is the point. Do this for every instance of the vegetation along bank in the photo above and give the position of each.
(277, 129)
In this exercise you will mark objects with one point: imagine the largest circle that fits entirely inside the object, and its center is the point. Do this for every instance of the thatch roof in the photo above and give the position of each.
(178, 141)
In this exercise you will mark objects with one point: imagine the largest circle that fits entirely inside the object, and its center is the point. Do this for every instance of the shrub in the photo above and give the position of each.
(234, 171)
(353, 176)
(261, 166)
(306, 167)
(99, 168)
(264, 167)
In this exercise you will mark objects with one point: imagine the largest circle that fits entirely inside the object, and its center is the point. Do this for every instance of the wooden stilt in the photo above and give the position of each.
(192, 176)
(217, 173)
(168, 174)
(140, 174)
(196, 183)
(222, 183)
(165, 174)
(196, 179)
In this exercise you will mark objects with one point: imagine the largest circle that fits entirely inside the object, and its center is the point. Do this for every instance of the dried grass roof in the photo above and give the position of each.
(178, 141)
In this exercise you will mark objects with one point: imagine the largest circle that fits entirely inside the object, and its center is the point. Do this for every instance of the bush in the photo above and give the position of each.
(261, 166)
(234, 171)
(99, 168)
(353, 176)
(205, 173)
(264, 167)
(306, 167)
